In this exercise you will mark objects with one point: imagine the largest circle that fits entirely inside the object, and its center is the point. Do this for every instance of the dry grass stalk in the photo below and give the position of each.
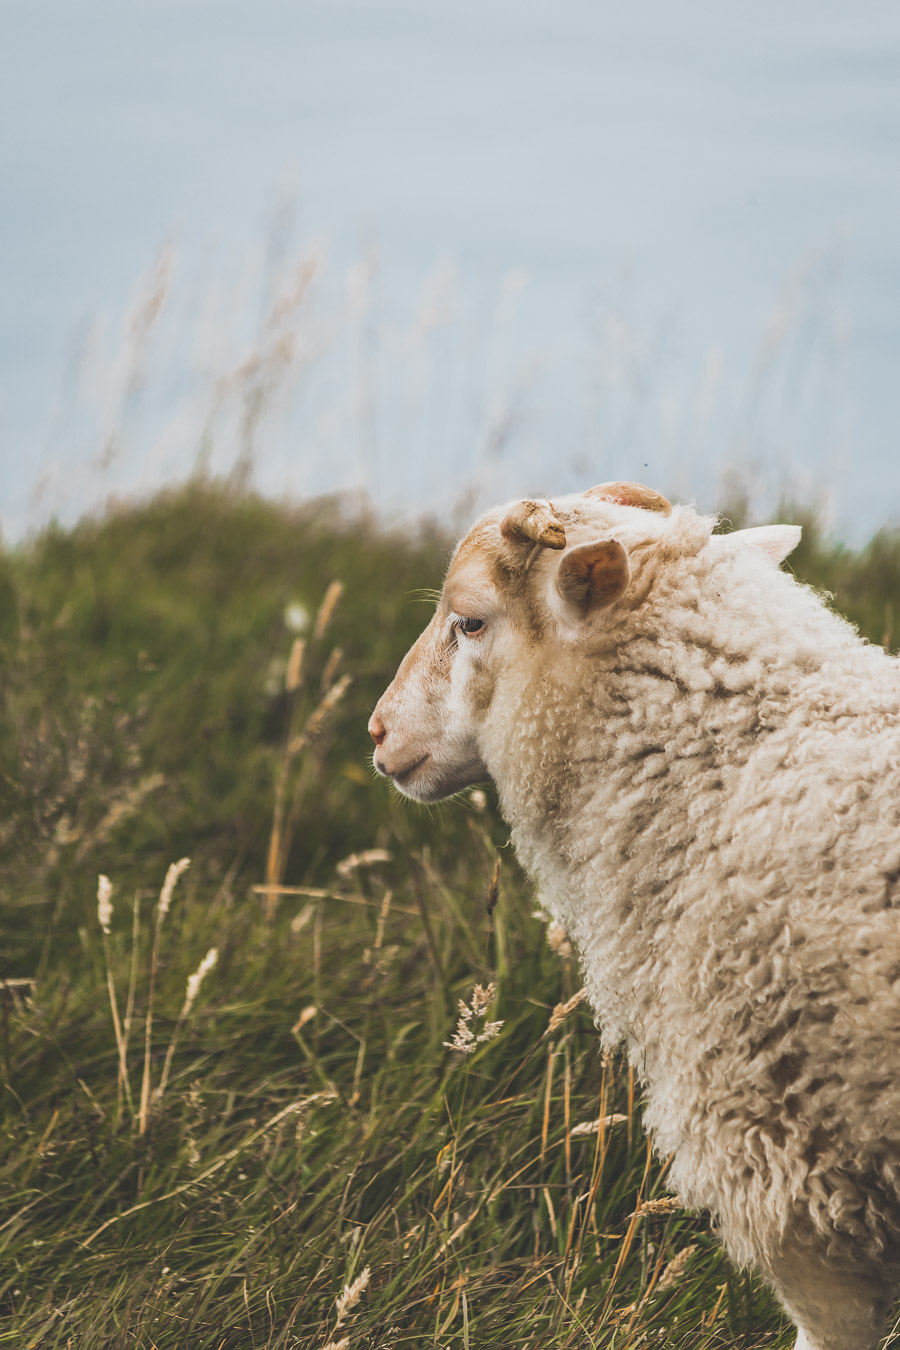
(292, 1109)
(627, 1241)
(326, 609)
(320, 893)
(133, 973)
(319, 715)
(293, 676)
(193, 989)
(382, 919)
(675, 1269)
(165, 899)
(367, 858)
(282, 819)
(104, 918)
(457, 1233)
(342, 1344)
(332, 666)
(665, 1204)
(125, 805)
(587, 1127)
(306, 1015)
(562, 1010)
(175, 870)
(351, 1295)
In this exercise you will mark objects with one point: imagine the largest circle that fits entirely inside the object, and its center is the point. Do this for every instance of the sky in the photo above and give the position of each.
(443, 254)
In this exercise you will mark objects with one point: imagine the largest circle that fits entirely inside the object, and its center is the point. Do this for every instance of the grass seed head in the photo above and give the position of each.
(199, 975)
(665, 1204)
(562, 1010)
(294, 673)
(558, 940)
(367, 858)
(104, 902)
(465, 1038)
(165, 895)
(326, 609)
(593, 1126)
(674, 1270)
(351, 1295)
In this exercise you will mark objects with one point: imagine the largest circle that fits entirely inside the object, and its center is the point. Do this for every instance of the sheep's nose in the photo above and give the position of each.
(377, 729)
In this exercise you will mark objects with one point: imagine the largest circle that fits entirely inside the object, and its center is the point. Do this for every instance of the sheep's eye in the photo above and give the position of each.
(468, 626)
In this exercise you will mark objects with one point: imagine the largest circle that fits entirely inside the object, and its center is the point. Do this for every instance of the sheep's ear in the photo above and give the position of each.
(593, 576)
(777, 541)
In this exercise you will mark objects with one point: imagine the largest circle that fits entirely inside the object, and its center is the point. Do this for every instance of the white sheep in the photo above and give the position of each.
(700, 765)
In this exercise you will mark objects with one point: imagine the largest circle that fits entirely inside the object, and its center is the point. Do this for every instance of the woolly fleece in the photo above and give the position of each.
(704, 782)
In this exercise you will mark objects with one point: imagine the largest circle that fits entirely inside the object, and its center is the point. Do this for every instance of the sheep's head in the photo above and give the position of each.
(526, 578)
(533, 592)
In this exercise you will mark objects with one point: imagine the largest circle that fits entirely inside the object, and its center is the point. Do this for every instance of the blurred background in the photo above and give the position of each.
(435, 255)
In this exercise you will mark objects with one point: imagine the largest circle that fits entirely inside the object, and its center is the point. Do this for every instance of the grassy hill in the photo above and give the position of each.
(214, 1168)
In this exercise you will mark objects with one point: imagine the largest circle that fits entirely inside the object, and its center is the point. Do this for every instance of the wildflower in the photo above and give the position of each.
(104, 903)
(351, 1296)
(465, 1038)
(478, 800)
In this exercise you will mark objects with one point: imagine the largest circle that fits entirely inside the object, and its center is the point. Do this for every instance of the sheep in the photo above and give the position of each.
(700, 766)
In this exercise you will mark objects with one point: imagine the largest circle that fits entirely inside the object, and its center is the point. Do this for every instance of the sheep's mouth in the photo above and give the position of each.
(400, 774)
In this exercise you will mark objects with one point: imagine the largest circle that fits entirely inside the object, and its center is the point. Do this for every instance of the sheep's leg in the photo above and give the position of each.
(833, 1308)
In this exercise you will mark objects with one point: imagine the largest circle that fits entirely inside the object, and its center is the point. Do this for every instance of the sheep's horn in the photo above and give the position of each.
(632, 494)
(535, 523)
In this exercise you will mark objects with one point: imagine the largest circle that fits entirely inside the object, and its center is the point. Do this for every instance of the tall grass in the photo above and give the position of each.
(311, 1159)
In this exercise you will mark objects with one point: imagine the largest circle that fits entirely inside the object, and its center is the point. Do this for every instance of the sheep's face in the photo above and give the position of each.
(526, 578)
(532, 591)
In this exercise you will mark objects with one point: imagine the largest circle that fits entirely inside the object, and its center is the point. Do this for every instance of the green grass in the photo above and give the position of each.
(314, 1124)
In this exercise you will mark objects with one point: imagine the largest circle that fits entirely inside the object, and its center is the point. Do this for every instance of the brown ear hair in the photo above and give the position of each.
(593, 576)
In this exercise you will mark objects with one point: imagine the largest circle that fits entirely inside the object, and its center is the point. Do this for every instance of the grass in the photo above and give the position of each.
(317, 1147)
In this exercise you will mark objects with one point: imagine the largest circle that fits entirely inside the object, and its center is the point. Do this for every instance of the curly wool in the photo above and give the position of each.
(709, 797)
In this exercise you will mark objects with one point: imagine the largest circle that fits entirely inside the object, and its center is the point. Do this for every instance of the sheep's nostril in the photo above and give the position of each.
(377, 729)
